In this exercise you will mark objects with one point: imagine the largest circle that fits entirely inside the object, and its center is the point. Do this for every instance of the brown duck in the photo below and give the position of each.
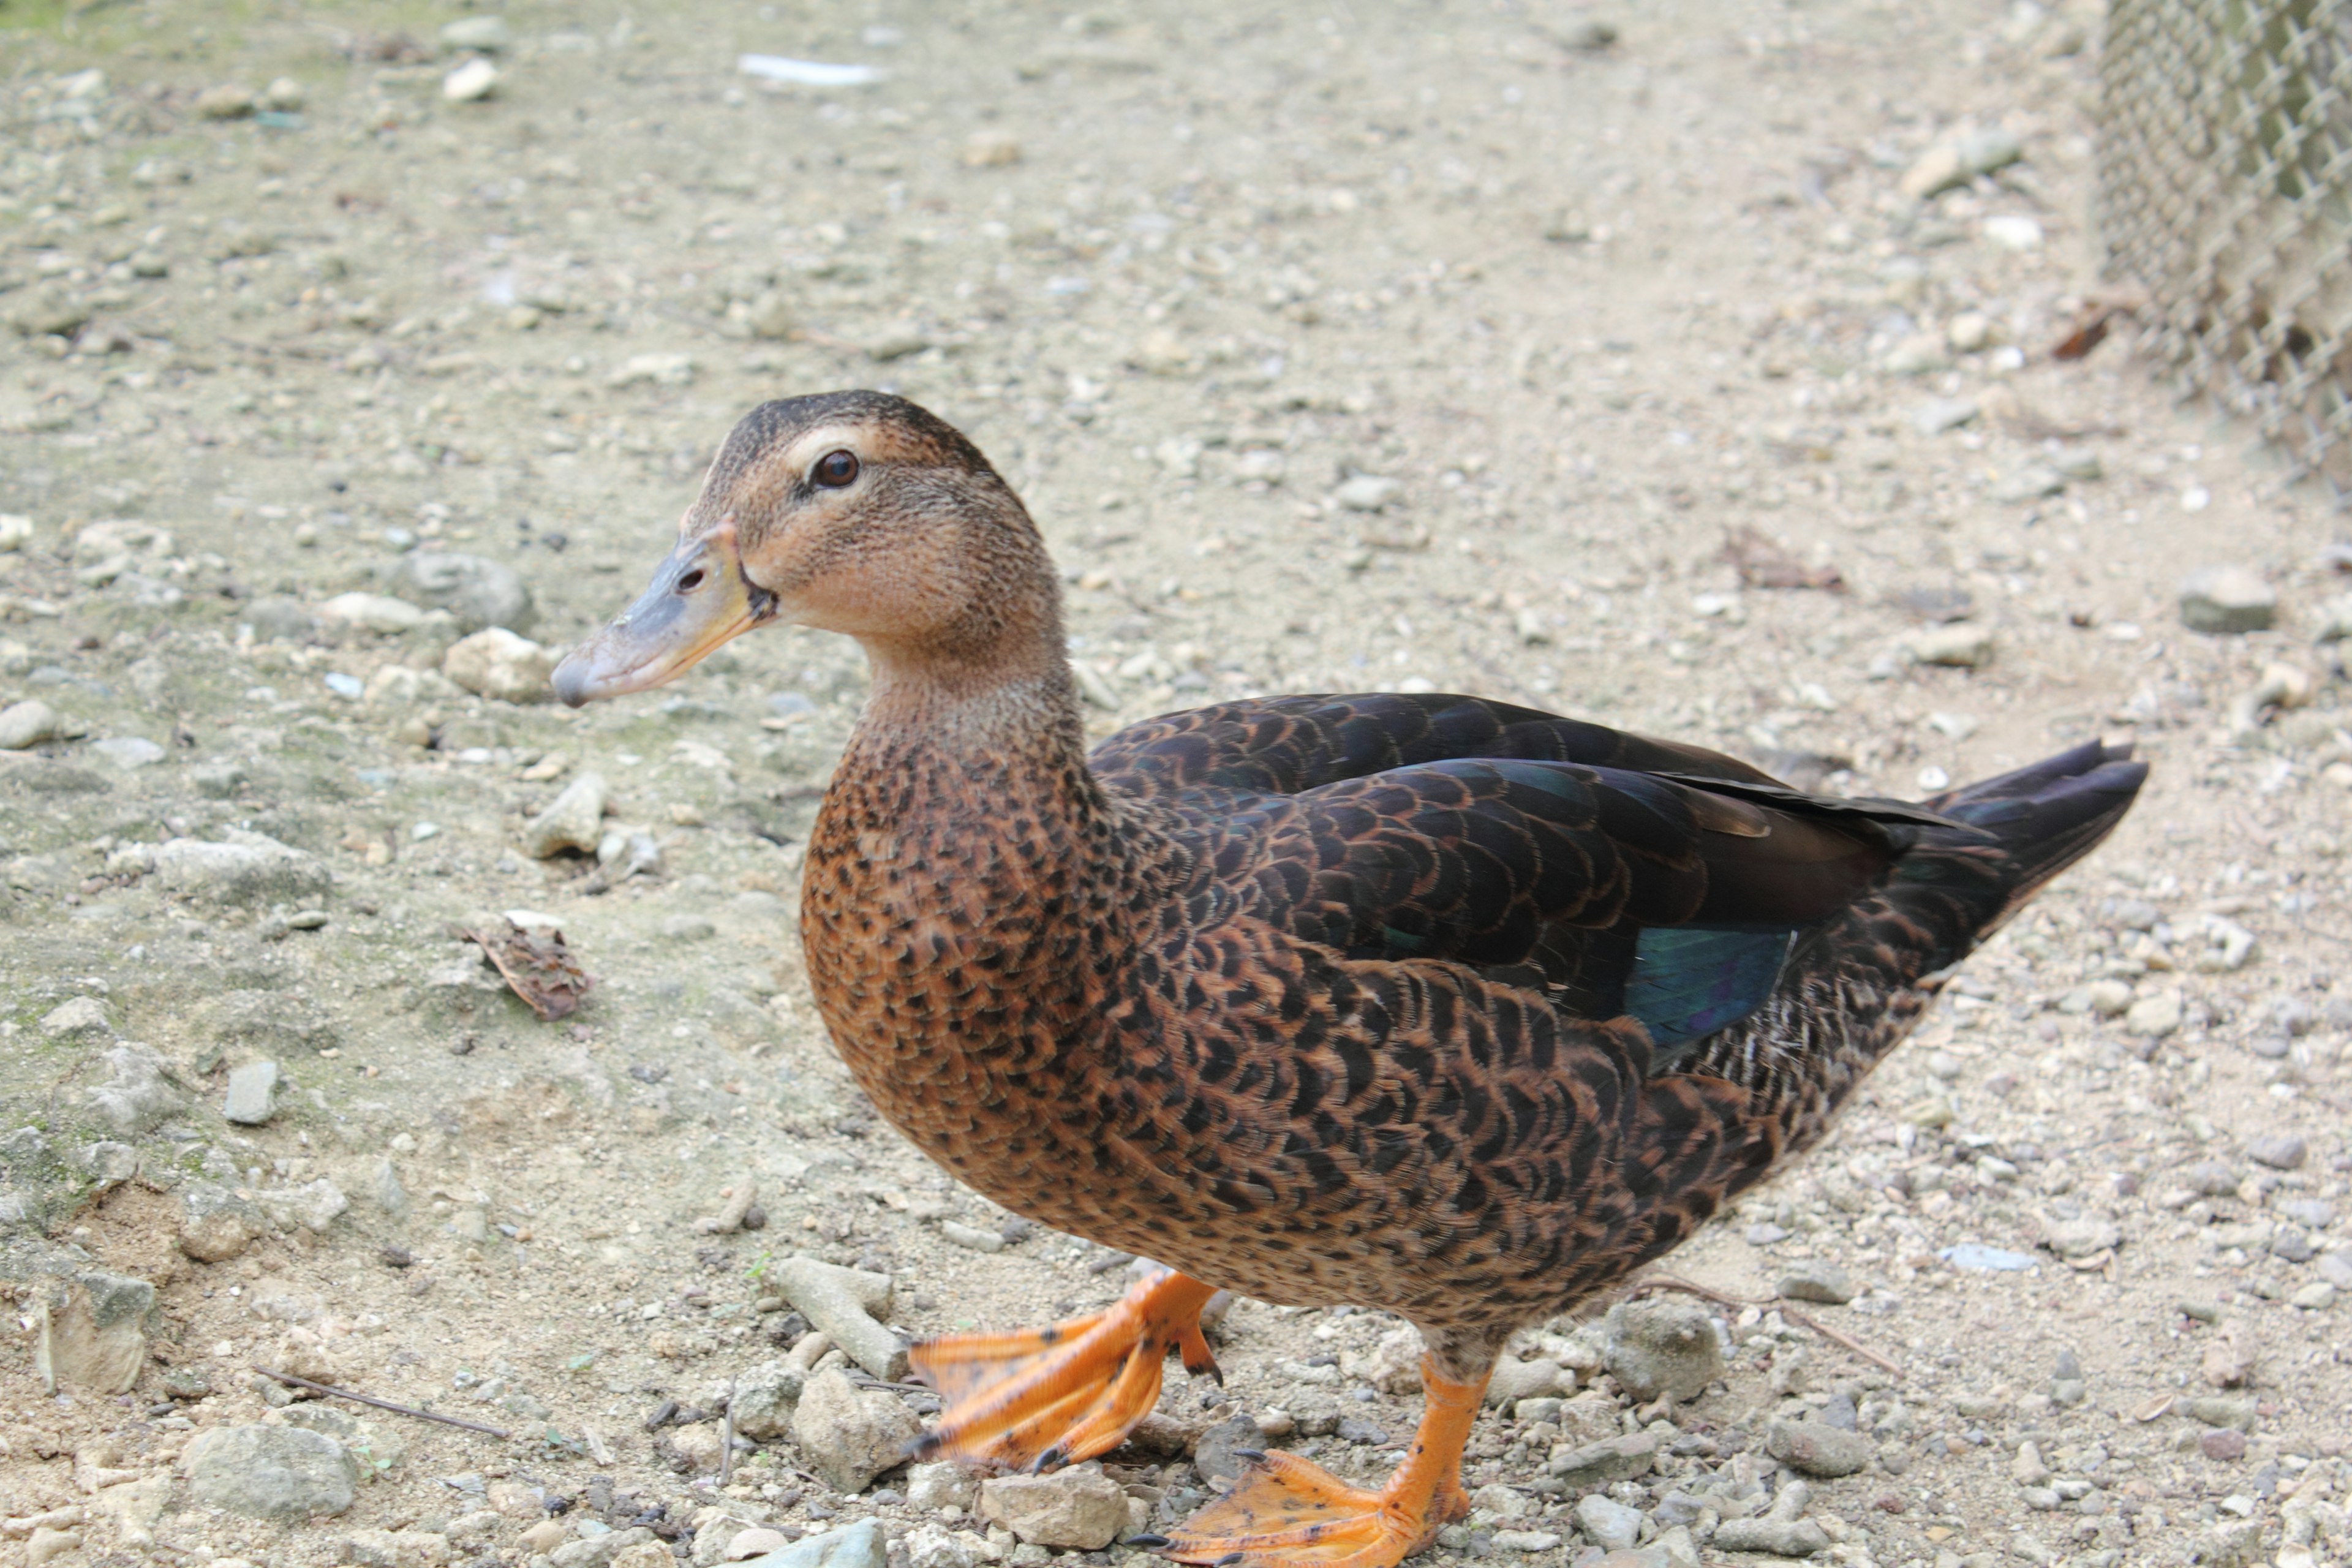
(1427, 1003)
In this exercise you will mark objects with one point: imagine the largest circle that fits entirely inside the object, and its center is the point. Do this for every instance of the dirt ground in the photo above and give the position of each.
(1336, 347)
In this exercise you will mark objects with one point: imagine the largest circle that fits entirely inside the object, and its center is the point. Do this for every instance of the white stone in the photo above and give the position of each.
(372, 612)
(497, 664)
(471, 82)
(26, 724)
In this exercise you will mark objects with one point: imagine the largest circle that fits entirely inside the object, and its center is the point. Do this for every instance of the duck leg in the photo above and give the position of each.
(1058, 1395)
(1284, 1512)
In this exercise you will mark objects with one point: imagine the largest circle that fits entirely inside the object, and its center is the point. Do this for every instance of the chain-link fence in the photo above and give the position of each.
(2225, 191)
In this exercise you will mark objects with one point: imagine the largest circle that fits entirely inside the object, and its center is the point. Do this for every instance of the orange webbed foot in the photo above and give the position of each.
(1059, 1396)
(1285, 1513)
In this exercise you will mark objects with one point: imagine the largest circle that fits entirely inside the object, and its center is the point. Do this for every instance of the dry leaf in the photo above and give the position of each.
(538, 966)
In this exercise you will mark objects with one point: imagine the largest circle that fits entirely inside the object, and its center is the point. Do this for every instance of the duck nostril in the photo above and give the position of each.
(691, 581)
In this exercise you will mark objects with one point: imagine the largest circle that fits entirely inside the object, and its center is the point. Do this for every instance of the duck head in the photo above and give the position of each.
(850, 511)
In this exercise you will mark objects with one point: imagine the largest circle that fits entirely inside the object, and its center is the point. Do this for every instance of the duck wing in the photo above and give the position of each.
(1281, 745)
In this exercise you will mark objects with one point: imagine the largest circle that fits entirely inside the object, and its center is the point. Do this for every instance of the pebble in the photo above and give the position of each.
(499, 665)
(215, 1225)
(2013, 231)
(573, 820)
(252, 1093)
(282, 1473)
(226, 100)
(654, 369)
(2335, 1268)
(1816, 1281)
(1977, 1258)
(1961, 645)
(1367, 492)
(2154, 1018)
(1939, 414)
(478, 592)
(1078, 1507)
(1955, 160)
(26, 724)
(846, 1303)
(2222, 1443)
(858, 1545)
(1604, 1463)
(378, 613)
(488, 34)
(1608, 1525)
(1217, 1454)
(2079, 1237)
(1525, 1541)
(939, 1485)
(1818, 1448)
(765, 1398)
(2281, 1151)
(46, 1543)
(245, 867)
(79, 1018)
(972, 1237)
(1658, 1346)
(1515, 1379)
(848, 1437)
(757, 1541)
(930, 1546)
(2228, 600)
(1782, 1537)
(470, 83)
(991, 148)
(2035, 481)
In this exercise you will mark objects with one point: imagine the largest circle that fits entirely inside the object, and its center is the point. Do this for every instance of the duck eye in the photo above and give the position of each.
(835, 470)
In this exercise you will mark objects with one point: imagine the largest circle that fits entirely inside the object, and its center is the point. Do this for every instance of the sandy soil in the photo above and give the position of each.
(1197, 278)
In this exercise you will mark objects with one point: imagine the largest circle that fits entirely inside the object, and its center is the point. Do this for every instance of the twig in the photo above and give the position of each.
(382, 1404)
(727, 1436)
(1671, 1282)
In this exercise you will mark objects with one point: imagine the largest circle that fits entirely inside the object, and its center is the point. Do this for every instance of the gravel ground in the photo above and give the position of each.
(1516, 350)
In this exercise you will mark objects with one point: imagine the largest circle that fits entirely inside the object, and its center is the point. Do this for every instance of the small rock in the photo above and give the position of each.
(765, 1400)
(2221, 1443)
(480, 593)
(281, 1473)
(654, 369)
(471, 82)
(2229, 1361)
(1604, 1463)
(497, 664)
(847, 1304)
(396, 1549)
(757, 1541)
(2079, 1237)
(1525, 1541)
(858, 1545)
(2228, 601)
(1656, 1346)
(1217, 1454)
(2013, 231)
(26, 724)
(771, 316)
(1817, 1282)
(2281, 1151)
(1817, 1448)
(1939, 414)
(1515, 1379)
(2315, 1296)
(225, 101)
(2336, 1268)
(2028, 1470)
(82, 1018)
(849, 1438)
(1958, 159)
(215, 1225)
(1608, 1525)
(314, 1205)
(488, 34)
(573, 820)
(971, 1237)
(252, 1093)
(378, 613)
(1959, 645)
(244, 868)
(1160, 353)
(992, 149)
(928, 1546)
(939, 1485)
(1078, 1507)
(46, 1543)
(897, 343)
(2154, 1018)
(1782, 1537)
(2210, 1179)
(2035, 481)
(1367, 492)
(90, 1331)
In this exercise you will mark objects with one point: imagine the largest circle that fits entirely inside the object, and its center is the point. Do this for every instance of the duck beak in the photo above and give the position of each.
(698, 599)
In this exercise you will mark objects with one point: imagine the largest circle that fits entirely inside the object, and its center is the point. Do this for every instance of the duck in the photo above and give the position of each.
(1420, 1002)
